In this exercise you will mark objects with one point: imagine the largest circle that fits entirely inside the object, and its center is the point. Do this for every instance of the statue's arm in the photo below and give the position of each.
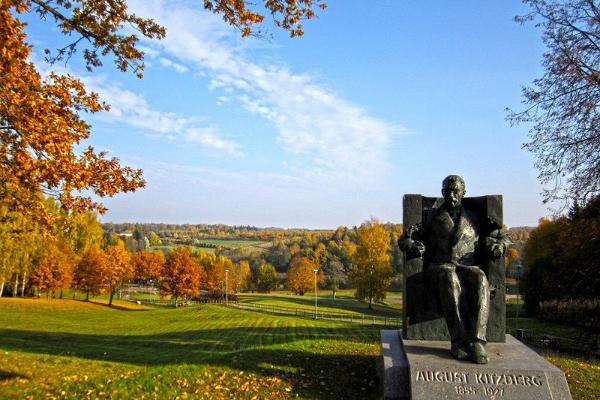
(497, 242)
(410, 243)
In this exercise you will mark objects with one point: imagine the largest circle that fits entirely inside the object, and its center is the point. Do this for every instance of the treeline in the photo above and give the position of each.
(333, 253)
(80, 256)
(77, 254)
(562, 267)
(188, 233)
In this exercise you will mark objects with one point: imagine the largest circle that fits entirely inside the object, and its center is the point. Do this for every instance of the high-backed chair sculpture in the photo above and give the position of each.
(422, 313)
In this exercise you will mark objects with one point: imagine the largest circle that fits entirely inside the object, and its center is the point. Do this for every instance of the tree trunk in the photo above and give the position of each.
(87, 295)
(370, 298)
(23, 284)
(1, 287)
(47, 294)
(61, 293)
(112, 294)
(15, 285)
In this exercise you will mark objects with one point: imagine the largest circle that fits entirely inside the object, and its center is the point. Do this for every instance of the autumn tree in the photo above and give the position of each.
(511, 260)
(154, 240)
(279, 256)
(119, 268)
(267, 278)
(40, 127)
(181, 275)
(561, 259)
(334, 272)
(90, 272)
(215, 274)
(372, 272)
(562, 106)
(20, 245)
(84, 231)
(244, 276)
(301, 275)
(41, 122)
(147, 265)
(54, 270)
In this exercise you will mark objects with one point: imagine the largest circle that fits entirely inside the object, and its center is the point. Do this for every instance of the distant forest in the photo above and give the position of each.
(332, 249)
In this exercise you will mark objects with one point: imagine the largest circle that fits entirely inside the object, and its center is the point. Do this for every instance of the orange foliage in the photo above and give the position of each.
(243, 276)
(40, 118)
(301, 275)
(55, 268)
(90, 273)
(216, 275)
(181, 274)
(287, 14)
(147, 264)
(40, 126)
(119, 268)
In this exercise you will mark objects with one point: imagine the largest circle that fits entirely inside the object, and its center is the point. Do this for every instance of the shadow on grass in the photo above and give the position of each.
(313, 373)
(116, 306)
(344, 304)
(7, 375)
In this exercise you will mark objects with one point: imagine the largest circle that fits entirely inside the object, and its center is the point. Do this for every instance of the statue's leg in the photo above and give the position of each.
(449, 290)
(478, 297)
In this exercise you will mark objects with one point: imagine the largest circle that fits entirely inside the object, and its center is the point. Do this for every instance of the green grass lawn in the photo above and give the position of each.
(344, 303)
(73, 349)
(233, 243)
(582, 375)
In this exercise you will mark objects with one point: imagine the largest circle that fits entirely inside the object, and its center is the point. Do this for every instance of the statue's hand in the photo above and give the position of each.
(411, 230)
(497, 250)
(420, 247)
(412, 248)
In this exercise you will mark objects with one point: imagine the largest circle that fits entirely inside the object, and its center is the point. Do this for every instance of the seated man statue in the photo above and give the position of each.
(449, 242)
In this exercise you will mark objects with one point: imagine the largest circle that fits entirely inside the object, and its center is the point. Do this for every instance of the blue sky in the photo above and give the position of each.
(378, 99)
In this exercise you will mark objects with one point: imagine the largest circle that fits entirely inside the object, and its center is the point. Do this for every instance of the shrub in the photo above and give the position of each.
(583, 313)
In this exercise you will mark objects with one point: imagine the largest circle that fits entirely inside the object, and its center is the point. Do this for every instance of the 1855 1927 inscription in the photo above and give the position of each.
(481, 384)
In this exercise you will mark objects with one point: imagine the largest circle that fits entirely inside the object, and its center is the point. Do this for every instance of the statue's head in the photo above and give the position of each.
(453, 190)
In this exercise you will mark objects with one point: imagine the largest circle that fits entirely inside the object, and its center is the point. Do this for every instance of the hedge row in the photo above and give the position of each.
(584, 313)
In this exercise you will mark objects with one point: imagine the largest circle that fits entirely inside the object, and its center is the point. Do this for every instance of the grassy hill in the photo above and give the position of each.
(69, 349)
(74, 349)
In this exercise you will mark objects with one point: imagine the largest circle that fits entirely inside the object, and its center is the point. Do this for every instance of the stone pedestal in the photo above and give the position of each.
(419, 369)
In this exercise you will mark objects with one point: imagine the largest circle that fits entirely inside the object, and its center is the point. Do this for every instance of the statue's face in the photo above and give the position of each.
(453, 193)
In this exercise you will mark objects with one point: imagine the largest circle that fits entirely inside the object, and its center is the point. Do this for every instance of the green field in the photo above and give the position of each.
(74, 349)
(344, 303)
(233, 243)
(201, 244)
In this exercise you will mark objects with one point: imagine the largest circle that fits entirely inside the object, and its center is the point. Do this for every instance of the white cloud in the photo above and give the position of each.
(133, 109)
(211, 139)
(312, 121)
(165, 62)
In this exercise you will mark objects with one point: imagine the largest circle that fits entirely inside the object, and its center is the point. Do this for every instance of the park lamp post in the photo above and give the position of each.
(315, 270)
(226, 286)
(518, 267)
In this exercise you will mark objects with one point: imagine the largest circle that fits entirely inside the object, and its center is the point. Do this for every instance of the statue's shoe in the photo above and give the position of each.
(460, 353)
(478, 353)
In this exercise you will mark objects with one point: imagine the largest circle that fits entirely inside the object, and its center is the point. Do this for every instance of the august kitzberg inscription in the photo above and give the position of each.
(479, 378)
(491, 385)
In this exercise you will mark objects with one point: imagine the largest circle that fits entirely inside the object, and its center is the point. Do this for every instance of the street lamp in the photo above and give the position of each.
(315, 270)
(518, 268)
(226, 286)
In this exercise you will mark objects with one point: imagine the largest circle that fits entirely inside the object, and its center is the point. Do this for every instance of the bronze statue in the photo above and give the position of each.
(449, 242)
